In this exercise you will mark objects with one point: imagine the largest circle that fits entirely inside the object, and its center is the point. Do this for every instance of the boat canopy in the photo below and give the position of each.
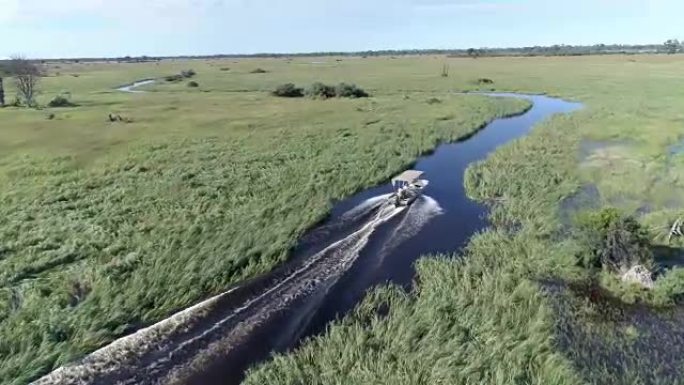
(406, 177)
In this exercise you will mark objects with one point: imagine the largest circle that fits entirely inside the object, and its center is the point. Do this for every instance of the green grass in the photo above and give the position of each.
(106, 227)
(485, 316)
(473, 320)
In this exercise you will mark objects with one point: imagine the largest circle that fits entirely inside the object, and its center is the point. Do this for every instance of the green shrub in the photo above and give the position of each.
(174, 78)
(321, 91)
(259, 71)
(288, 90)
(16, 102)
(434, 101)
(670, 286)
(613, 240)
(345, 90)
(61, 101)
(188, 73)
(193, 84)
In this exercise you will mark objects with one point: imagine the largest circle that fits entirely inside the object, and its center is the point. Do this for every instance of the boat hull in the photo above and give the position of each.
(407, 195)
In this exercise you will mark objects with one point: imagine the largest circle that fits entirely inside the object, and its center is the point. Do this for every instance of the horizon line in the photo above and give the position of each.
(358, 52)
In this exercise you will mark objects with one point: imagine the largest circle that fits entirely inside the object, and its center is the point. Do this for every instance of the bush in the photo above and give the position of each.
(15, 103)
(118, 118)
(613, 240)
(485, 81)
(61, 101)
(193, 84)
(288, 90)
(174, 78)
(345, 90)
(259, 71)
(433, 101)
(225, 68)
(670, 287)
(188, 74)
(322, 91)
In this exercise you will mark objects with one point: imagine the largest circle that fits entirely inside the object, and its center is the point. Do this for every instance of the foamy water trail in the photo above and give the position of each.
(317, 275)
(365, 207)
(419, 214)
(312, 280)
(345, 251)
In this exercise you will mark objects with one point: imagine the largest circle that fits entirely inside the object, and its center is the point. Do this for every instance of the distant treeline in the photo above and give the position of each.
(554, 50)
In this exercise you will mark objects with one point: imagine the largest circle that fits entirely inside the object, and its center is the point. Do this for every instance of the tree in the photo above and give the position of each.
(27, 77)
(614, 241)
(2, 89)
(473, 53)
(672, 46)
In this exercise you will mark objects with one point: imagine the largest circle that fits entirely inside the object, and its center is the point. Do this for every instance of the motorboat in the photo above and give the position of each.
(408, 186)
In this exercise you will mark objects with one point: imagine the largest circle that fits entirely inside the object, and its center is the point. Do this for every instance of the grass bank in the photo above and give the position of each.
(111, 226)
(487, 316)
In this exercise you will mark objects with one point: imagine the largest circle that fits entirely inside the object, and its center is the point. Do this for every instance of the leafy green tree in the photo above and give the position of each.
(614, 240)
(473, 53)
(672, 46)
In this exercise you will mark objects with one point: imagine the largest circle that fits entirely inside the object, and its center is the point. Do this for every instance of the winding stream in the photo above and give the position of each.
(365, 242)
(132, 88)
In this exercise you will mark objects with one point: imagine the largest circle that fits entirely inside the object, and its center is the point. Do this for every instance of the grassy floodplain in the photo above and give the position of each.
(110, 226)
(494, 315)
(107, 227)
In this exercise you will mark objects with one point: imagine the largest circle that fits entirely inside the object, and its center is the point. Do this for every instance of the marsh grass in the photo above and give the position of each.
(485, 316)
(107, 228)
(471, 319)
(100, 241)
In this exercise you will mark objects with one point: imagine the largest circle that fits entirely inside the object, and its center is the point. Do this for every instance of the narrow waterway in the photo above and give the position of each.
(441, 221)
(365, 242)
(133, 87)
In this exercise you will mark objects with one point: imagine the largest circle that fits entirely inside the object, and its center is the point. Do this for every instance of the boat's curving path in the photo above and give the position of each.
(366, 241)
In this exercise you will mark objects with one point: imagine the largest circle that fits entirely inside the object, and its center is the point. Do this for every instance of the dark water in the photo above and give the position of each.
(441, 221)
(389, 257)
(132, 88)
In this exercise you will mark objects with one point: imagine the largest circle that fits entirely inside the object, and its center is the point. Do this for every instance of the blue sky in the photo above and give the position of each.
(96, 28)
